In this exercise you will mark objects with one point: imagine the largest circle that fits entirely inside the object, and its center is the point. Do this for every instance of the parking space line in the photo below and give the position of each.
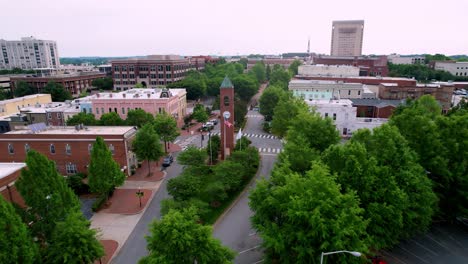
(411, 253)
(392, 256)
(419, 244)
(260, 261)
(243, 251)
(440, 244)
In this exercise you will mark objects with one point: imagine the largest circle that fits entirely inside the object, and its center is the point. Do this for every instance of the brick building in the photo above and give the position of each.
(375, 108)
(368, 66)
(75, 83)
(368, 80)
(441, 92)
(152, 71)
(9, 173)
(69, 147)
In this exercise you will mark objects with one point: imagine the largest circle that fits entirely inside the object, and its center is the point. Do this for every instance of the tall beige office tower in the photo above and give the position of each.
(347, 38)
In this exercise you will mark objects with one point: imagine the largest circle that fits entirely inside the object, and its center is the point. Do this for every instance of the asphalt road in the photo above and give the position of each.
(135, 246)
(235, 229)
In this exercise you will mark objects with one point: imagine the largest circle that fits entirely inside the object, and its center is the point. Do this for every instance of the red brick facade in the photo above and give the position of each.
(71, 152)
(74, 83)
(369, 66)
(369, 80)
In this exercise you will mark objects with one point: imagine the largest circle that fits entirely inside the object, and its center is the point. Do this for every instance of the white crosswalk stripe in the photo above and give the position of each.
(270, 150)
(255, 116)
(248, 135)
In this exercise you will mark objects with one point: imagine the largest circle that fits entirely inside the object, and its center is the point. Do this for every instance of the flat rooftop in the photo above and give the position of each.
(8, 168)
(135, 94)
(70, 130)
(332, 103)
(27, 97)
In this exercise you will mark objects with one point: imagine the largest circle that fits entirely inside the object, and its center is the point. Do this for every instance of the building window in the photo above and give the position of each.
(102, 110)
(226, 100)
(115, 109)
(52, 149)
(349, 92)
(90, 148)
(68, 149)
(123, 110)
(27, 148)
(111, 148)
(97, 111)
(11, 149)
(110, 109)
(71, 168)
(326, 114)
(358, 92)
(334, 116)
(49, 115)
(59, 115)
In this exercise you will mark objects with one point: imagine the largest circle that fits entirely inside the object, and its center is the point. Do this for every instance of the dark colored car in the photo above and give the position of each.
(167, 161)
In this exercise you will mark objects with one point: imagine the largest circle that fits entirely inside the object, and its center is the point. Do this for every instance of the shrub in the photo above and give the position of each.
(99, 202)
(75, 182)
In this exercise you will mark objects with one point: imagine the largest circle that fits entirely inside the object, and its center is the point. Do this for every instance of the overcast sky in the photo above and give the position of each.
(234, 27)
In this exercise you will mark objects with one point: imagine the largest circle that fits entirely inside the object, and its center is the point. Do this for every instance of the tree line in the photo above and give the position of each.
(380, 187)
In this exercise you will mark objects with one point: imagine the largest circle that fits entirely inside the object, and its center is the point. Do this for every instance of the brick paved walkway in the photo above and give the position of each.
(125, 201)
(110, 246)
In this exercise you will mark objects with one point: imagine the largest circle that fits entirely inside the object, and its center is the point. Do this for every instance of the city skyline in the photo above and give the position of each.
(135, 28)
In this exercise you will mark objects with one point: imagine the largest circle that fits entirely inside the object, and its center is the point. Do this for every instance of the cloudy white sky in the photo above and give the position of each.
(231, 27)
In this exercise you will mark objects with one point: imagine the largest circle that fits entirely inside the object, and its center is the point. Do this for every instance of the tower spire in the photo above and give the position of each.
(308, 46)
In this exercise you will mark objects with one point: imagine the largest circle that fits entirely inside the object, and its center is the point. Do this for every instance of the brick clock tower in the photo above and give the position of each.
(226, 104)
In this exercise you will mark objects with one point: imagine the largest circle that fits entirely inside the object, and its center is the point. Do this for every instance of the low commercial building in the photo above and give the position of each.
(75, 83)
(456, 68)
(69, 147)
(327, 90)
(375, 108)
(368, 66)
(398, 59)
(152, 71)
(9, 174)
(367, 80)
(442, 93)
(12, 106)
(5, 85)
(344, 115)
(283, 62)
(153, 101)
(328, 71)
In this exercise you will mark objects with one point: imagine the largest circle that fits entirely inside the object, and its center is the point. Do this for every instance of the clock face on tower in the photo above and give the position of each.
(226, 115)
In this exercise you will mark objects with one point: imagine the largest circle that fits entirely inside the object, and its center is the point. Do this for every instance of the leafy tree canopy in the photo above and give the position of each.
(147, 145)
(86, 119)
(22, 88)
(138, 117)
(111, 119)
(57, 92)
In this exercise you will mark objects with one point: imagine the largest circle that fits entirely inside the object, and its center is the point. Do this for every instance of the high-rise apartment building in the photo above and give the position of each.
(347, 38)
(28, 53)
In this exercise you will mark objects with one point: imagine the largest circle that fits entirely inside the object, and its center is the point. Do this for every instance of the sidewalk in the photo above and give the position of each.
(116, 221)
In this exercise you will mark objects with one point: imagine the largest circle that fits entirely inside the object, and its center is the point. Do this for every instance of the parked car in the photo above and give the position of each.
(167, 161)
(214, 121)
(207, 126)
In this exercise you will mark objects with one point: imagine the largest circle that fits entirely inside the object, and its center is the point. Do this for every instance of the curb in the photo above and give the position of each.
(247, 187)
(142, 212)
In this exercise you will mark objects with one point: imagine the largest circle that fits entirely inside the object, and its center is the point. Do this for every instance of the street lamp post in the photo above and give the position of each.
(354, 253)
(211, 153)
(140, 194)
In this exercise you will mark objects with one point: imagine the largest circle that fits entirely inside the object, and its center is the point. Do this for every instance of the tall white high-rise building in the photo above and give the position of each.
(28, 53)
(347, 38)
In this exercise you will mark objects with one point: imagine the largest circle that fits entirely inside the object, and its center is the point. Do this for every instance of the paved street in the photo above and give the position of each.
(135, 246)
(235, 229)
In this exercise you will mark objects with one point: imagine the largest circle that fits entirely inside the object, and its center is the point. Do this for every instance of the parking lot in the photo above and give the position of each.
(442, 244)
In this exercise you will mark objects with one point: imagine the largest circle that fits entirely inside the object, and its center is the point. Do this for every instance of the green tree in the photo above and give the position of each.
(57, 92)
(104, 172)
(199, 113)
(319, 133)
(166, 127)
(86, 119)
(243, 61)
(74, 242)
(259, 72)
(230, 174)
(185, 186)
(16, 244)
(138, 117)
(185, 241)
(383, 201)
(147, 145)
(111, 119)
(268, 72)
(245, 86)
(269, 99)
(286, 109)
(397, 159)
(294, 67)
(298, 154)
(307, 215)
(192, 156)
(195, 84)
(105, 83)
(242, 143)
(140, 85)
(46, 193)
(22, 88)
(280, 77)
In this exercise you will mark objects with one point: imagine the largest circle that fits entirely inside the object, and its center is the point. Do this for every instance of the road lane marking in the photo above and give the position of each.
(243, 251)
(260, 261)
(419, 244)
(407, 251)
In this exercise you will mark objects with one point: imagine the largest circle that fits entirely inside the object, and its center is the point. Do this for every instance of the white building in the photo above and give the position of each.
(327, 90)
(347, 38)
(397, 59)
(455, 68)
(321, 70)
(28, 53)
(344, 115)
